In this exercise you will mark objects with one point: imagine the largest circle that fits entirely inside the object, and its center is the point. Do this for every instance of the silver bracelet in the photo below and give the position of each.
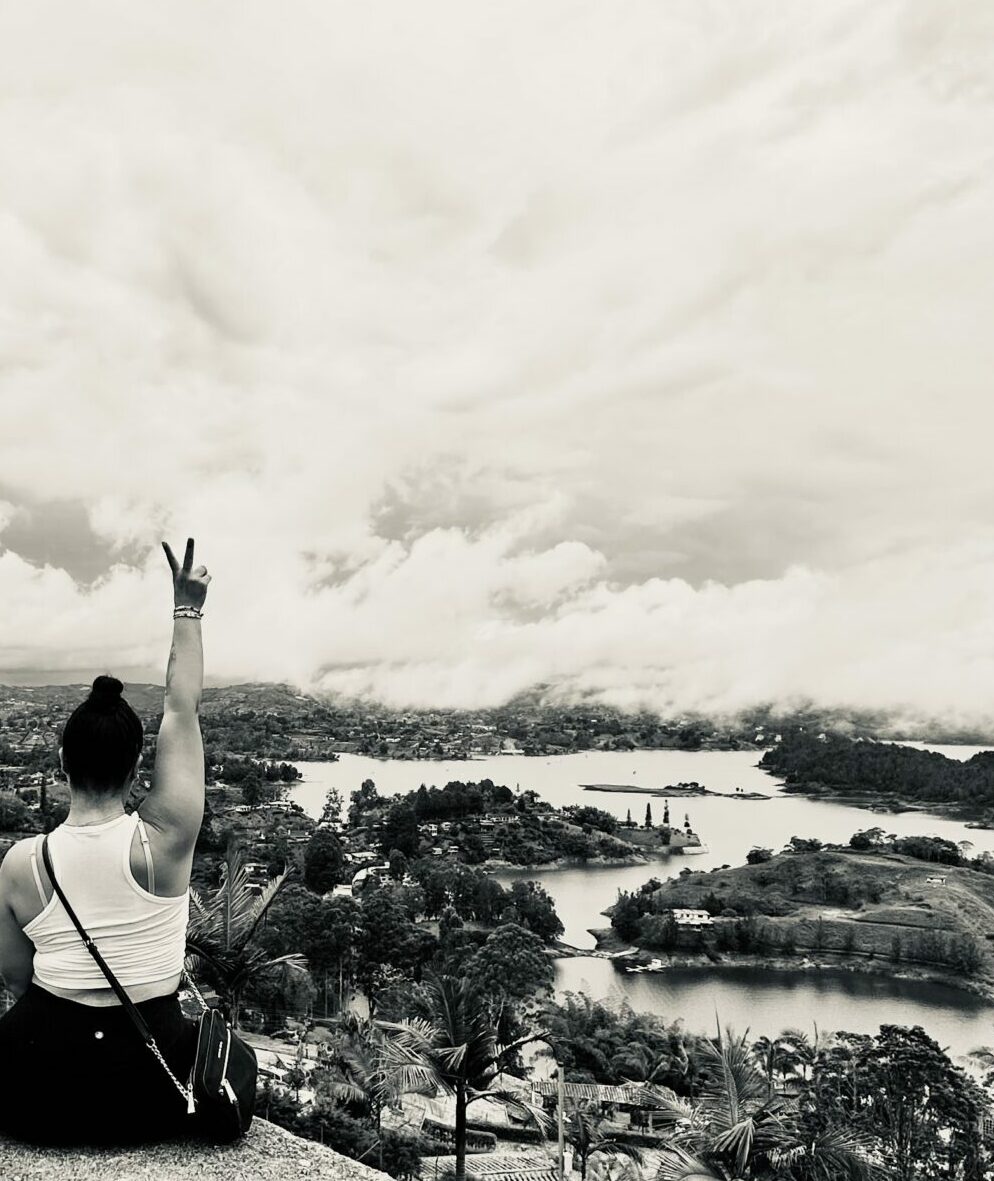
(187, 613)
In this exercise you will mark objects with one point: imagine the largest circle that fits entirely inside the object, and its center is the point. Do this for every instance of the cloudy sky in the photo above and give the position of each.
(641, 350)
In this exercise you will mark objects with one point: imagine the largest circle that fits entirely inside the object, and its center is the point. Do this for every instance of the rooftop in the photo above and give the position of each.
(633, 1094)
(497, 1166)
(268, 1153)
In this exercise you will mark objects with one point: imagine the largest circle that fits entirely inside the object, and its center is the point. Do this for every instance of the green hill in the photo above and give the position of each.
(845, 905)
(881, 771)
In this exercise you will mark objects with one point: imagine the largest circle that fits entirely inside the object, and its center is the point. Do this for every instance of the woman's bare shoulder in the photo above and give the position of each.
(18, 853)
(15, 864)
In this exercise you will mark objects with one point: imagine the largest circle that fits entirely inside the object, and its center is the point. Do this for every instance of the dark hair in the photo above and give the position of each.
(102, 740)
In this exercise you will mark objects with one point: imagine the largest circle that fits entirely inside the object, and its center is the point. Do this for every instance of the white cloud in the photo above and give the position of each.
(481, 346)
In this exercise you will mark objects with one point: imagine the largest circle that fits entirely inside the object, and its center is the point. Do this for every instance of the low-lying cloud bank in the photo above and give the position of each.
(648, 357)
(454, 620)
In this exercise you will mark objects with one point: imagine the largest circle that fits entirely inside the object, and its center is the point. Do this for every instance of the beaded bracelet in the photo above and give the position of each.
(187, 613)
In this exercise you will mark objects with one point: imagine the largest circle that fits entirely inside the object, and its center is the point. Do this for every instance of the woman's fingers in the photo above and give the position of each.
(200, 573)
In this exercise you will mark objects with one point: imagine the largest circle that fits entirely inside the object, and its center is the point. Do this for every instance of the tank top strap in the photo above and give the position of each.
(141, 935)
(35, 850)
(146, 849)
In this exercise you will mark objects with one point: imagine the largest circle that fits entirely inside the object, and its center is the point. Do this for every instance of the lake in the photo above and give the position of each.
(729, 828)
(766, 1001)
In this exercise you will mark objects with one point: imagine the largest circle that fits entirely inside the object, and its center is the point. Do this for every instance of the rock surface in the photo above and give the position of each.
(267, 1152)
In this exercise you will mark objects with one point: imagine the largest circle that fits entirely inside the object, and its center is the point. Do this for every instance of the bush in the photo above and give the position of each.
(396, 1153)
(15, 815)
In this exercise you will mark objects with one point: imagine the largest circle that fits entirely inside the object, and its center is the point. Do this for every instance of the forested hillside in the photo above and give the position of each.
(846, 766)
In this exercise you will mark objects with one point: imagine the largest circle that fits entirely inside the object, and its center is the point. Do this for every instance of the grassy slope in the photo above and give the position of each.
(890, 898)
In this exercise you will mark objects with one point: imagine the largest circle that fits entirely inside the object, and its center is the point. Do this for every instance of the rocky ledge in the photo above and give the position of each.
(267, 1152)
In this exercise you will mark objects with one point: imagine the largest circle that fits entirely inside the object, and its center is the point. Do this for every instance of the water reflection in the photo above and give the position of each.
(767, 1001)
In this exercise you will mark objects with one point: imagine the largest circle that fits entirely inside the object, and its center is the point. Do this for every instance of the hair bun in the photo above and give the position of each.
(106, 692)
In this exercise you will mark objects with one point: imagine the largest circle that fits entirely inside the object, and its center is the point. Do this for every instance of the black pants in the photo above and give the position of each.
(76, 1074)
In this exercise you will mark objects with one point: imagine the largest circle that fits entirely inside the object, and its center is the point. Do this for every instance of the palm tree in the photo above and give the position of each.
(737, 1130)
(803, 1050)
(776, 1056)
(676, 1057)
(374, 1069)
(222, 932)
(457, 1036)
(766, 1053)
(586, 1132)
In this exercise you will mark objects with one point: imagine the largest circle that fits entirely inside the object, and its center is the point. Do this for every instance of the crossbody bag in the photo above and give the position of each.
(220, 1091)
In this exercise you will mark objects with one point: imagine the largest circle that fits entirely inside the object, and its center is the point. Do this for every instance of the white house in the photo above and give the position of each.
(691, 918)
(371, 871)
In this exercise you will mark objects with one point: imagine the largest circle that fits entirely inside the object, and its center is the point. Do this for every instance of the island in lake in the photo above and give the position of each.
(675, 790)
(912, 906)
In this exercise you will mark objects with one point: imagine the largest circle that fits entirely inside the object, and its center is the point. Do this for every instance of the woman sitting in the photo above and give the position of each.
(73, 1068)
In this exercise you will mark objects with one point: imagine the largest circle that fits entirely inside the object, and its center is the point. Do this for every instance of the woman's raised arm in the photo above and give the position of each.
(175, 804)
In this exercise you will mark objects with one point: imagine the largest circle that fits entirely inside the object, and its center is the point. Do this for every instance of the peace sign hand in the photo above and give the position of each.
(189, 584)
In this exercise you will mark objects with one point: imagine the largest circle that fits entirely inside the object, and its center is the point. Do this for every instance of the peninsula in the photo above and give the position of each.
(883, 775)
(904, 907)
(488, 825)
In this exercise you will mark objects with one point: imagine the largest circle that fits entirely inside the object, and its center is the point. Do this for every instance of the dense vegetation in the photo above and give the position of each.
(827, 1107)
(871, 898)
(900, 1091)
(477, 980)
(458, 975)
(831, 763)
(438, 916)
(487, 821)
(598, 1042)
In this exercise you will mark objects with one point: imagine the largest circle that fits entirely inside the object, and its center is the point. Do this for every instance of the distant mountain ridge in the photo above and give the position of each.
(538, 716)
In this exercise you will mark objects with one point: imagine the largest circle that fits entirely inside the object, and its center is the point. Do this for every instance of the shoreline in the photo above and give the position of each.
(675, 792)
(478, 756)
(892, 804)
(607, 941)
(496, 865)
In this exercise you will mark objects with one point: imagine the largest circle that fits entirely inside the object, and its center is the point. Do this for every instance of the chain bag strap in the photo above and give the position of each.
(127, 1004)
(187, 979)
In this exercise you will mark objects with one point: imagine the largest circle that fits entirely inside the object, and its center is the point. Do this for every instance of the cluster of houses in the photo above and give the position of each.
(439, 838)
(13, 777)
(260, 825)
(280, 818)
(430, 735)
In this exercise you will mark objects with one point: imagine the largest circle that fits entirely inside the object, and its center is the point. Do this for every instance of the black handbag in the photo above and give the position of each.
(220, 1092)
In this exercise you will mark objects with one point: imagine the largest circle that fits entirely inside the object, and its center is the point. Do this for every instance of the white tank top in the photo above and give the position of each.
(141, 936)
